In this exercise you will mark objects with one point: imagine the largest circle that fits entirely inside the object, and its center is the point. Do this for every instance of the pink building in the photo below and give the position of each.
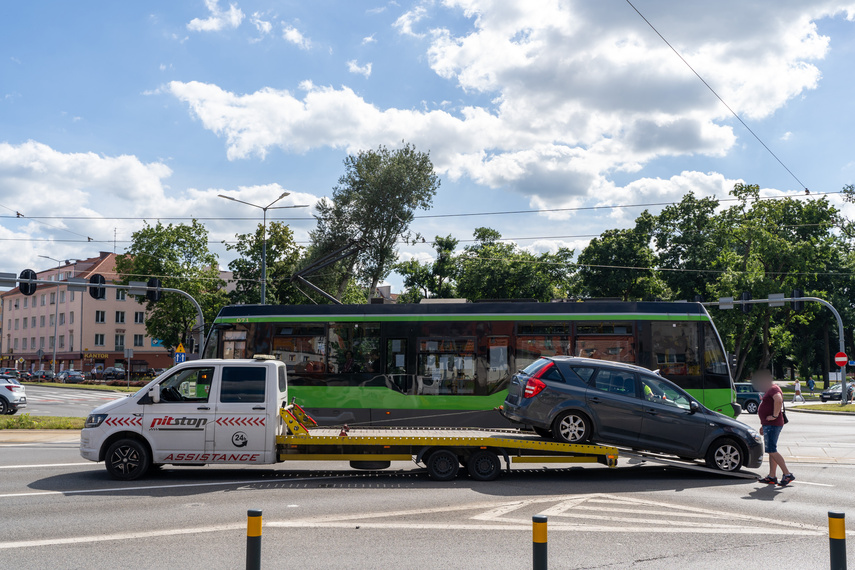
(89, 334)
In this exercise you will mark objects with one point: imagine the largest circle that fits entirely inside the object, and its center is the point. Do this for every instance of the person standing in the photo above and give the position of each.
(811, 384)
(771, 414)
(797, 392)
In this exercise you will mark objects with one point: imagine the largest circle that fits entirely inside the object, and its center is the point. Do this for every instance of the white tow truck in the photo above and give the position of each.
(237, 412)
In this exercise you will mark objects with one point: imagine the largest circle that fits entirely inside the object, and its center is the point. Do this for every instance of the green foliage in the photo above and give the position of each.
(435, 279)
(179, 256)
(620, 263)
(374, 203)
(283, 258)
(26, 421)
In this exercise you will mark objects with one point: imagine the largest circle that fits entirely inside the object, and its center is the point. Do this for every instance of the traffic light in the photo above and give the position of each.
(746, 296)
(96, 289)
(798, 306)
(27, 288)
(154, 296)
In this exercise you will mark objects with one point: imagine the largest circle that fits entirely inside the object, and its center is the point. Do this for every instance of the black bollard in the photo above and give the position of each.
(253, 539)
(837, 539)
(538, 545)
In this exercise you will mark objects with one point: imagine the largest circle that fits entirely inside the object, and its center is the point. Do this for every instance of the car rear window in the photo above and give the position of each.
(535, 366)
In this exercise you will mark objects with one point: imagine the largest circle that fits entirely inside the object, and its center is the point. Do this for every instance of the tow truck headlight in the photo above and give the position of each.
(95, 420)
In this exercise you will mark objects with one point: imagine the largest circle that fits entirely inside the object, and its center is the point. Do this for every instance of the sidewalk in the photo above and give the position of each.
(39, 435)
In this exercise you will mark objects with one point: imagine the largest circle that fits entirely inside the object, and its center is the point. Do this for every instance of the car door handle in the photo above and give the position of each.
(651, 411)
(259, 408)
(595, 400)
(203, 408)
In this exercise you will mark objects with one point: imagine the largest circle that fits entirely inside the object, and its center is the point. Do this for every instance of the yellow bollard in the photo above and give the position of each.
(253, 539)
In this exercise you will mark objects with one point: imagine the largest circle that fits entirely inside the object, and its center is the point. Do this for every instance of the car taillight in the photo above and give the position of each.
(533, 387)
(12, 387)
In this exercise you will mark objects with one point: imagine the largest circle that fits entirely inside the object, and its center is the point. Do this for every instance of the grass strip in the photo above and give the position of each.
(26, 421)
(102, 387)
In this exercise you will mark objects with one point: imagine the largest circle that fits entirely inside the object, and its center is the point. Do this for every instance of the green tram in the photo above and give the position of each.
(449, 364)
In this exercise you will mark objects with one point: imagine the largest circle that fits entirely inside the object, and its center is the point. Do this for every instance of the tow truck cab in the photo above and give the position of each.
(198, 412)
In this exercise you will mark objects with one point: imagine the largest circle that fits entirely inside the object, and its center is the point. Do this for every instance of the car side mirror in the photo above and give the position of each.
(154, 393)
(694, 407)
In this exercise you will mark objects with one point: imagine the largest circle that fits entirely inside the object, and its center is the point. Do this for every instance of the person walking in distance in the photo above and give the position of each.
(811, 384)
(797, 392)
(771, 414)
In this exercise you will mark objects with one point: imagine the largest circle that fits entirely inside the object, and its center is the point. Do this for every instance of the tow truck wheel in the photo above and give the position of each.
(725, 455)
(484, 465)
(442, 465)
(571, 427)
(127, 459)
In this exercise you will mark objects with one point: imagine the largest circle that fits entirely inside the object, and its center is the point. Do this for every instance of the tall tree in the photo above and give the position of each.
(374, 203)
(492, 269)
(435, 279)
(179, 256)
(283, 257)
(620, 263)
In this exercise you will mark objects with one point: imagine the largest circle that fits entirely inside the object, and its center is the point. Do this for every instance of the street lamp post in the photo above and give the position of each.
(264, 209)
(55, 313)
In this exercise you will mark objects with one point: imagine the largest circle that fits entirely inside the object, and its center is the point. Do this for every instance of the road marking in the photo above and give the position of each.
(815, 484)
(46, 465)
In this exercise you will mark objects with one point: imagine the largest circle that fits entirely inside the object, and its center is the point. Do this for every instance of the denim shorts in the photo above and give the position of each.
(770, 437)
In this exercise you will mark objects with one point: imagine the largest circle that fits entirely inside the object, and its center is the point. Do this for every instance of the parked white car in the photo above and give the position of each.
(13, 396)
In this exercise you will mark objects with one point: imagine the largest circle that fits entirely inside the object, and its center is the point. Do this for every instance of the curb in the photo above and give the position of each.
(39, 435)
(827, 412)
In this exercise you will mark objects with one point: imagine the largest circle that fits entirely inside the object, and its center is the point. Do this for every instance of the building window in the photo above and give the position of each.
(99, 340)
(71, 318)
(41, 342)
(120, 316)
(16, 344)
(33, 342)
(24, 344)
(43, 300)
(26, 299)
(100, 316)
(120, 294)
(42, 321)
(25, 322)
(17, 322)
(33, 323)
(120, 342)
(52, 340)
(138, 340)
(71, 341)
(62, 296)
(61, 319)
(62, 341)
(17, 301)
(71, 296)
(139, 317)
(52, 320)
(53, 298)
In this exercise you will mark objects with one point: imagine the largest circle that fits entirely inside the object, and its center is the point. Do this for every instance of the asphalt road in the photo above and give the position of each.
(72, 402)
(61, 511)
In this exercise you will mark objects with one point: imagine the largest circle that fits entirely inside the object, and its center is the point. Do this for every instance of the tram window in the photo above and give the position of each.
(234, 344)
(612, 348)
(609, 327)
(530, 348)
(396, 356)
(675, 348)
(354, 347)
(446, 366)
(301, 347)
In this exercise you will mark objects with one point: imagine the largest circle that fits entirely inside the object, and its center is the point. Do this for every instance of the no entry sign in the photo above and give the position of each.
(840, 359)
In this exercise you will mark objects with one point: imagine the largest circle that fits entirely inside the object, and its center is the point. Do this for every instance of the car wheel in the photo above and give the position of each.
(4, 407)
(751, 407)
(484, 465)
(127, 459)
(542, 432)
(442, 465)
(11, 411)
(725, 455)
(571, 427)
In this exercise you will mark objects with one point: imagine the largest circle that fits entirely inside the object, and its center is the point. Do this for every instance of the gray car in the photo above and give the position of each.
(576, 400)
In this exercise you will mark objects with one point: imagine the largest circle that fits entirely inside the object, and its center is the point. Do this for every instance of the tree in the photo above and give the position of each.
(283, 257)
(374, 203)
(178, 255)
(621, 263)
(435, 280)
(491, 269)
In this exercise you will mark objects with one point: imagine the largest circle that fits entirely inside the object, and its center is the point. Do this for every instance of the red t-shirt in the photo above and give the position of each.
(767, 407)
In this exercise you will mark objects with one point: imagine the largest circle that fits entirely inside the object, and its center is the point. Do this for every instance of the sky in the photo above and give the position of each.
(114, 114)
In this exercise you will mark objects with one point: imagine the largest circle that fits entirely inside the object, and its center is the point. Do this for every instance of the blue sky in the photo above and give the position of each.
(151, 109)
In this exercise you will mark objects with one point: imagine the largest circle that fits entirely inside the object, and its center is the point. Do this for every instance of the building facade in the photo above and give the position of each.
(85, 334)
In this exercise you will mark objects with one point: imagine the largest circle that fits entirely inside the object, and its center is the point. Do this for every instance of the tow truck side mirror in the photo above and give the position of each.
(154, 394)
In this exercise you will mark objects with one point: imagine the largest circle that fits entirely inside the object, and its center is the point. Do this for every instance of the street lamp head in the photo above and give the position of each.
(226, 197)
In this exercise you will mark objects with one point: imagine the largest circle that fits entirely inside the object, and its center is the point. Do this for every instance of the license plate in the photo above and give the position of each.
(23, 400)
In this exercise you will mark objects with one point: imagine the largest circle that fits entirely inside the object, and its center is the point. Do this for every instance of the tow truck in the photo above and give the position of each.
(231, 412)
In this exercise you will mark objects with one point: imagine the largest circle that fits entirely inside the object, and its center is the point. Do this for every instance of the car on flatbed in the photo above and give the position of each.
(577, 400)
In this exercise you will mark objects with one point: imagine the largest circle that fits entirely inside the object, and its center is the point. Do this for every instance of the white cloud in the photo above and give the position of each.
(786, 136)
(354, 67)
(37, 180)
(578, 90)
(368, 40)
(294, 36)
(264, 27)
(404, 24)
(218, 20)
